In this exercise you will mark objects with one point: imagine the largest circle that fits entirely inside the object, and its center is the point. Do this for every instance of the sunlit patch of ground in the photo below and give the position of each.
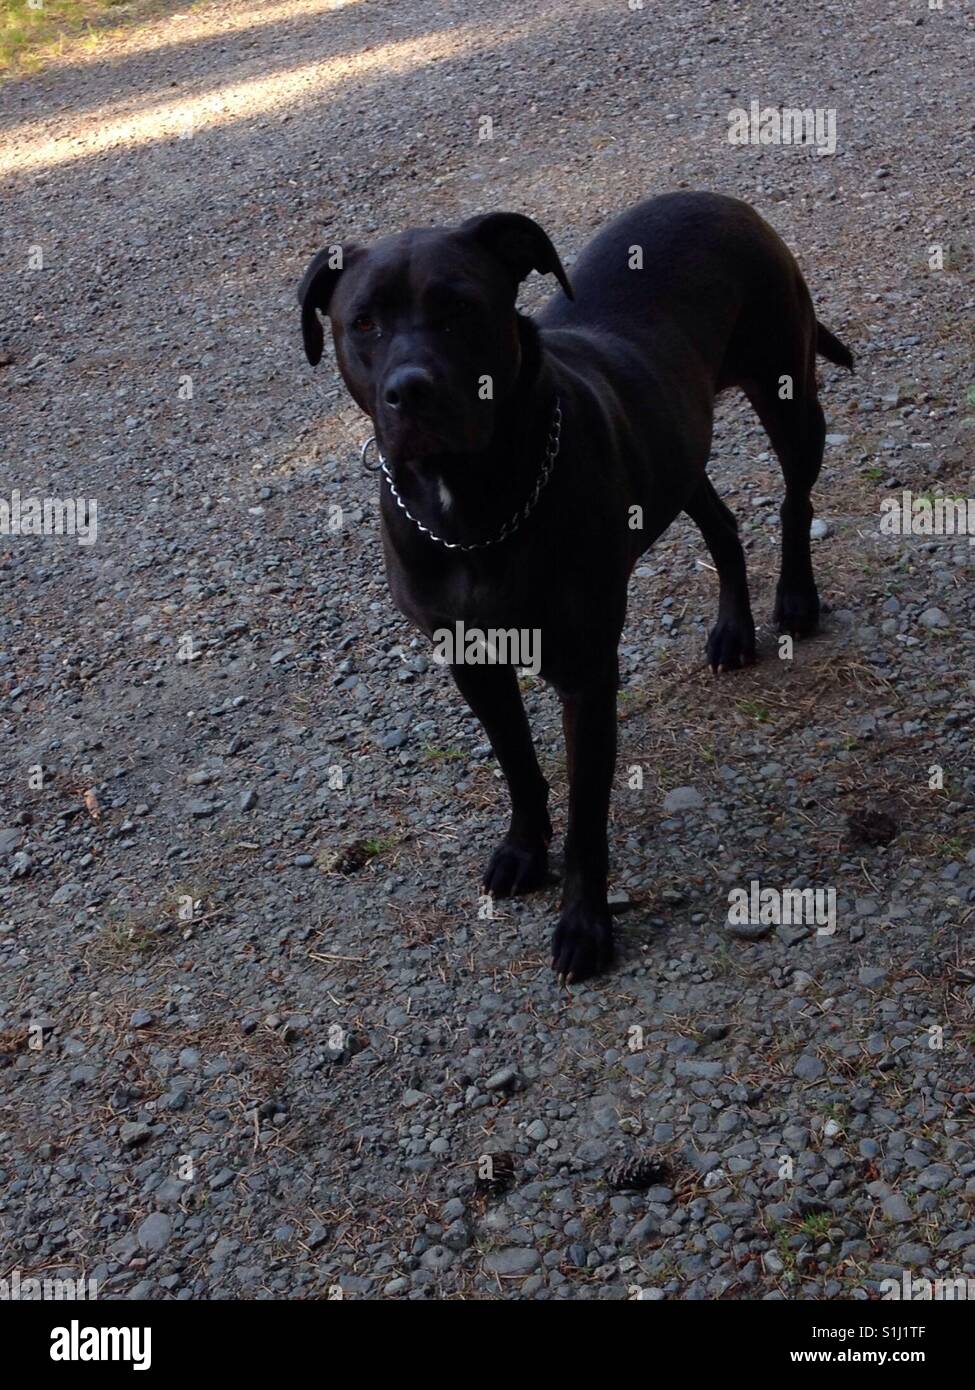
(45, 33)
(44, 144)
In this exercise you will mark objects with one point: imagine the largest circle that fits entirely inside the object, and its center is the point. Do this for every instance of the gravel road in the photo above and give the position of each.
(256, 1038)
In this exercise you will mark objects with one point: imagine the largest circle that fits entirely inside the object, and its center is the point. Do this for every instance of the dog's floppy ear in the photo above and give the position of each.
(519, 243)
(315, 291)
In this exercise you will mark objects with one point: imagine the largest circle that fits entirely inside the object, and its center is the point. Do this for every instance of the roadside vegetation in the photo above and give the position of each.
(33, 32)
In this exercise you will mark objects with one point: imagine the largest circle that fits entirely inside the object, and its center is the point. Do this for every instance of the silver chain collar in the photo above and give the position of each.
(510, 526)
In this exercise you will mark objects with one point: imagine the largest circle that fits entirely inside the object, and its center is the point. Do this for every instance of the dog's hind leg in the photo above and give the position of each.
(731, 642)
(798, 433)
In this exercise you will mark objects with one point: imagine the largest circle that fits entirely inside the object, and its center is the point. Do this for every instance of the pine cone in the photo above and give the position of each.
(495, 1174)
(638, 1172)
(870, 826)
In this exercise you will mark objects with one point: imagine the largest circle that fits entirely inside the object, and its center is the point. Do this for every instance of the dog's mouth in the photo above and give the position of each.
(415, 441)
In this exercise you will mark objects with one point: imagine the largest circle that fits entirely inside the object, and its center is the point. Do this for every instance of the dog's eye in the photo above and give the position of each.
(364, 323)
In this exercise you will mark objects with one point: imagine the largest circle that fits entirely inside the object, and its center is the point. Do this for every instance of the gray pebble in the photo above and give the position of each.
(513, 1261)
(155, 1232)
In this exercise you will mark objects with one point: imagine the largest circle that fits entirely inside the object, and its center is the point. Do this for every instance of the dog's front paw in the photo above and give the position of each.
(517, 866)
(583, 942)
(731, 644)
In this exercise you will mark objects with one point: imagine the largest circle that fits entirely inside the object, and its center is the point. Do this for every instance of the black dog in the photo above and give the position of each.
(530, 462)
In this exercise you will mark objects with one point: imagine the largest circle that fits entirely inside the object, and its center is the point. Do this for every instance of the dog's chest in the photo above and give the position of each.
(450, 588)
(506, 597)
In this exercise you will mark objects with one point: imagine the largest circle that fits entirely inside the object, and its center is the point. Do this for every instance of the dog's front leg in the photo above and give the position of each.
(520, 862)
(583, 940)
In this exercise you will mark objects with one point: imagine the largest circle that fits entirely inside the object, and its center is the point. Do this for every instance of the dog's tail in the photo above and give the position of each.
(832, 349)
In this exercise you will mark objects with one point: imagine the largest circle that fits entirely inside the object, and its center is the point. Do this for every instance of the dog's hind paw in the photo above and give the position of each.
(583, 943)
(731, 644)
(516, 867)
(796, 611)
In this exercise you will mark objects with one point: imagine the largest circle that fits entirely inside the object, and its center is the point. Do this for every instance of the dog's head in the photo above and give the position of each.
(425, 327)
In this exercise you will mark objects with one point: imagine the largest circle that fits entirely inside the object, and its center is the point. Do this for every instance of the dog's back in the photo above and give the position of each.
(705, 273)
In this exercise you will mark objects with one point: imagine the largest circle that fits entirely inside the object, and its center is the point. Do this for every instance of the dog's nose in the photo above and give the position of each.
(408, 387)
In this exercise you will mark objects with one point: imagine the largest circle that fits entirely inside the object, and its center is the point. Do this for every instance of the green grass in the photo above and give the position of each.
(435, 755)
(817, 1226)
(377, 847)
(783, 1249)
(31, 36)
(953, 846)
(753, 709)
